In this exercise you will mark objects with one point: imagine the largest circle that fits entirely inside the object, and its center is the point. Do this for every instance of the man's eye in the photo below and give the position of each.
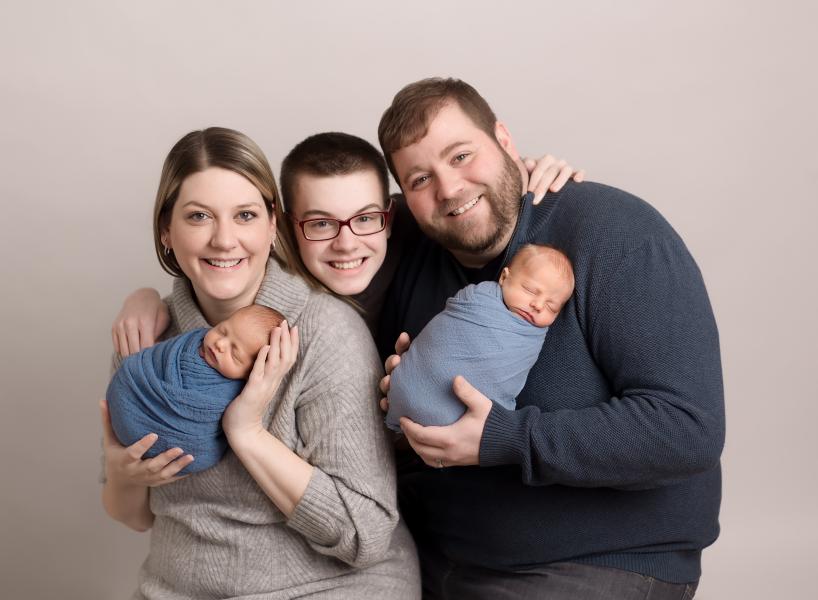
(419, 181)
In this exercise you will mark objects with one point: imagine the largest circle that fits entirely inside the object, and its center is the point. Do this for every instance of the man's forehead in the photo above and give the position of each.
(449, 118)
(448, 128)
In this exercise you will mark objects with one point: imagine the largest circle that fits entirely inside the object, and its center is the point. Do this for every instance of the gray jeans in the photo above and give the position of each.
(443, 580)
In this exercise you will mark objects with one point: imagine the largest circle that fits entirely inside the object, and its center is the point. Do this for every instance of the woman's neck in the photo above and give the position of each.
(215, 311)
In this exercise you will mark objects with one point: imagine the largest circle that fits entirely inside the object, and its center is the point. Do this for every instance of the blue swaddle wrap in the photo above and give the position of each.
(476, 336)
(170, 390)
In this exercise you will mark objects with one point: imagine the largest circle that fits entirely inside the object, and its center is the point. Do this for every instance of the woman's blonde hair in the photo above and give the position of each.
(234, 151)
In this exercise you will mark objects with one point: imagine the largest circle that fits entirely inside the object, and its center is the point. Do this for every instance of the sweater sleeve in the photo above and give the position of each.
(653, 336)
(349, 508)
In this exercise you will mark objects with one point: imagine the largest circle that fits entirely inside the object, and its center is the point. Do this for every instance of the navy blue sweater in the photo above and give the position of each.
(612, 455)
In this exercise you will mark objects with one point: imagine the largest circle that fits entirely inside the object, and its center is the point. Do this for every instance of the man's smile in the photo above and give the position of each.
(465, 207)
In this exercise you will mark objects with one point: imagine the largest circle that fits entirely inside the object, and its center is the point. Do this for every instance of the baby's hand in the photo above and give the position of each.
(246, 412)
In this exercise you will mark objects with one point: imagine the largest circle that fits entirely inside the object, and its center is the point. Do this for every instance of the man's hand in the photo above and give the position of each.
(401, 346)
(457, 444)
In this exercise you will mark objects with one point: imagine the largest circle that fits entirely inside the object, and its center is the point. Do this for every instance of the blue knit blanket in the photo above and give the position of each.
(476, 336)
(170, 390)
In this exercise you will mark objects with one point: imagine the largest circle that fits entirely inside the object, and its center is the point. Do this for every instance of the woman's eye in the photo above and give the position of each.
(363, 218)
(247, 215)
(460, 157)
(320, 224)
(197, 216)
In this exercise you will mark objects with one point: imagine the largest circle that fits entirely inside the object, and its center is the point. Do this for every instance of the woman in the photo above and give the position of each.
(304, 505)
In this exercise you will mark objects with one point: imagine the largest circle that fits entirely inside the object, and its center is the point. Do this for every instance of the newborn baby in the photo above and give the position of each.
(491, 333)
(179, 388)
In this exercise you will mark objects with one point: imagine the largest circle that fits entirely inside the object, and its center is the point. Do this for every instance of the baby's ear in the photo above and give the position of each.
(503, 276)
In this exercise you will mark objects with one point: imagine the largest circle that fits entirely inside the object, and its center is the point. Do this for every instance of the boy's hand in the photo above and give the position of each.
(141, 320)
(547, 173)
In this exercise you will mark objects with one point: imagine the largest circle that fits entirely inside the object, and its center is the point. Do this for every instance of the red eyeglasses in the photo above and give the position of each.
(327, 228)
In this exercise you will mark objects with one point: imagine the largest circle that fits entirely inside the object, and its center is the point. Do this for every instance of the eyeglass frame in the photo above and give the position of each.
(387, 217)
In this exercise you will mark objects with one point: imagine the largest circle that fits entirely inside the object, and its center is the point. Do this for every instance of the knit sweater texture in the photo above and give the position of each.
(217, 535)
(612, 455)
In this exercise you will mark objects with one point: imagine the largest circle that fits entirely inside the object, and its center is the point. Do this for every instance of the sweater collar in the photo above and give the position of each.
(285, 292)
(531, 219)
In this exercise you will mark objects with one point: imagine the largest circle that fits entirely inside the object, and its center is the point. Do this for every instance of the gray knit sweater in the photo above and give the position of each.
(217, 535)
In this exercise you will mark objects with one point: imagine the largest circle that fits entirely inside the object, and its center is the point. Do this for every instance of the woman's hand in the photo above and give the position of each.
(125, 467)
(245, 413)
(549, 174)
(141, 320)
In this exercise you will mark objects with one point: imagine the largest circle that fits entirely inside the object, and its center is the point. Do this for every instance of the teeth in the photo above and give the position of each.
(465, 207)
(352, 264)
(223, 264)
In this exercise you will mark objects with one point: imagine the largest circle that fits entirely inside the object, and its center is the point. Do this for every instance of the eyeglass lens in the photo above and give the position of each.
(363, 224)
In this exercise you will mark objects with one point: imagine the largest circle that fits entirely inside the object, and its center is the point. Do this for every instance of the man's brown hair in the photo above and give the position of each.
(407, 119)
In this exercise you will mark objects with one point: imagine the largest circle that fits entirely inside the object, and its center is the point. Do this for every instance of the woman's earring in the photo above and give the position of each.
(167, 251)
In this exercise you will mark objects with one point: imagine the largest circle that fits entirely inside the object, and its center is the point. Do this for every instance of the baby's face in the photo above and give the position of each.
(534, 290)
(231, 347)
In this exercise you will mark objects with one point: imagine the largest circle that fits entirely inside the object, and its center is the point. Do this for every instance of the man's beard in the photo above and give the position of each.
(503, 198)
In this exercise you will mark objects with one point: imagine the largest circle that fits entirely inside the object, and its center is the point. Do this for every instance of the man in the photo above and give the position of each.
(605, 481)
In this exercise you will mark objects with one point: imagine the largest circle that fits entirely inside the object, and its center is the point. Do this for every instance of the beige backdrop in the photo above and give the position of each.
(706, 109)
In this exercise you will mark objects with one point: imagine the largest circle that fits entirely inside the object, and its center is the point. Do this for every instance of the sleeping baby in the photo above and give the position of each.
(179, 388)
(491, 333)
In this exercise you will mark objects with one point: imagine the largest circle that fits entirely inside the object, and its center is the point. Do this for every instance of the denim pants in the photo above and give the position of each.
(443, 580)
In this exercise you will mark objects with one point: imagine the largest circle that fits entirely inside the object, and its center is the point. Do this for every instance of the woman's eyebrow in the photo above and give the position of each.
(243, 205)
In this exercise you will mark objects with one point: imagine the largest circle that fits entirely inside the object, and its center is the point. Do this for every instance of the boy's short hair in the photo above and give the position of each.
(328, 154)
(557, 258)
(407, 119)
